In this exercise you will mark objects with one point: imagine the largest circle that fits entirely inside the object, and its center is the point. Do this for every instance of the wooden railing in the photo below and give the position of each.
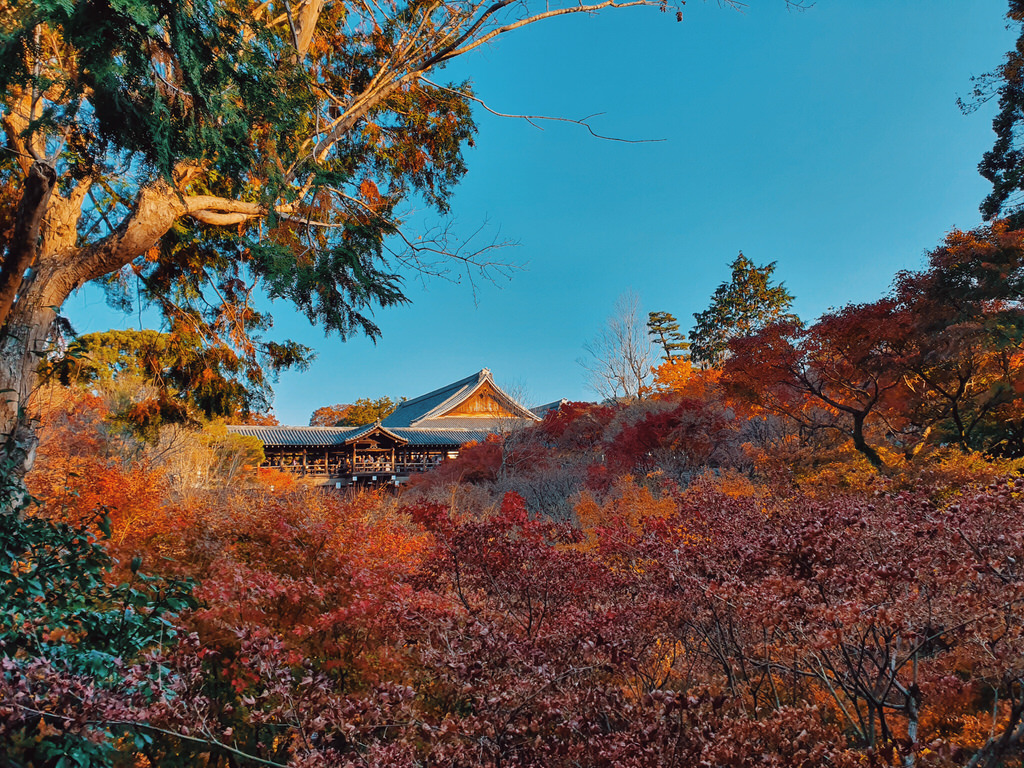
(362, 466)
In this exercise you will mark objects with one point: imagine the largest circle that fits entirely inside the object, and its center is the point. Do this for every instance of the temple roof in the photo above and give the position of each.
(435, 409)
(374, 429)
(300, 437)
(297, 436)
(466, 410)
(540, 411)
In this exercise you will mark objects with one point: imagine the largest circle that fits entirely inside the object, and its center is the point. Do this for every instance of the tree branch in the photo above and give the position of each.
(531, 118)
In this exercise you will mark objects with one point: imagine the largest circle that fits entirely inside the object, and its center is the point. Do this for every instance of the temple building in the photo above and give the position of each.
(418, 436)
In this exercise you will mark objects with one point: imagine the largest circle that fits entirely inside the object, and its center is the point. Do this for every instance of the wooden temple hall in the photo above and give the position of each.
(418, 436)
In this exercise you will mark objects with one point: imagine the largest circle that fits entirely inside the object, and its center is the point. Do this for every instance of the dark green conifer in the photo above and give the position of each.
(738, 308)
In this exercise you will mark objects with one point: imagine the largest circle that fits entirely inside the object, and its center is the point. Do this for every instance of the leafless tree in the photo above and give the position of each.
(619, 359)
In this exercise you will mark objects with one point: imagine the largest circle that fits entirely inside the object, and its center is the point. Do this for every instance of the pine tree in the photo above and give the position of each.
(1003, 165)
(664, 329)
(738, 308)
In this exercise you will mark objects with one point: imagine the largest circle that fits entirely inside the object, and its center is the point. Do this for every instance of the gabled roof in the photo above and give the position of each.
(430, 410)
(372, 429)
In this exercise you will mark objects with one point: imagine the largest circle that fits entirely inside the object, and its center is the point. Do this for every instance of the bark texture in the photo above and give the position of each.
(45, 265)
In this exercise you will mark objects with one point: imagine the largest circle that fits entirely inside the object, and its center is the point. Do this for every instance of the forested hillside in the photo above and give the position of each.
(646, 584)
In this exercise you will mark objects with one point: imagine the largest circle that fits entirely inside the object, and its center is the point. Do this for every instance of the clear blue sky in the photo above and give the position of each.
(827, 140)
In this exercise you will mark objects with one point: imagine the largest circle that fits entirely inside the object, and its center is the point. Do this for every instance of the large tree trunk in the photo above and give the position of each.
(58, 265)
(24, 344)
(33, 288)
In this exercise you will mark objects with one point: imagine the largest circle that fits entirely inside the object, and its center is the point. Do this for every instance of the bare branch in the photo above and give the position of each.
(532, 118)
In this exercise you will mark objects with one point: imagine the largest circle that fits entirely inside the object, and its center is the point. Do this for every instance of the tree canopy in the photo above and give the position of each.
(206, 381)
(738, 308)
(202, 153)
(365, 410)
(1003, 165)
(663, 328)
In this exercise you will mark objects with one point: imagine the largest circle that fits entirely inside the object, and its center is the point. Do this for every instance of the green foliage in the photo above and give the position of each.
(190, 380)
(162, 82)
(230, 450)
(67, 632)
(53, 576)
(212, 101)
(738, 308)
(366, 410)
(1003, 165)
(664, 330)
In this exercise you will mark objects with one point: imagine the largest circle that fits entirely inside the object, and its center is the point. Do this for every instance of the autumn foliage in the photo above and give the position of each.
(676, 616)
(808, 556)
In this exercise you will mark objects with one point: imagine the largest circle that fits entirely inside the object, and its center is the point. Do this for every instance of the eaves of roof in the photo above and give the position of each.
(370, 429)
(300, 437)
(296, 436)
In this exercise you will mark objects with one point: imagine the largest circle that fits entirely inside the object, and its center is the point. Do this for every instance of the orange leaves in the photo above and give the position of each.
(708, 620)
(681, 379)
(981, 245)
(275, 479)
(673, 377)
(369, 193)
(76, 477)
(329, 415)
(623, 515)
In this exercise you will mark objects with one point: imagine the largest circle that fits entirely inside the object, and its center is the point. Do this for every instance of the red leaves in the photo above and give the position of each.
(688, 432)
(671, 625)
(476, 463)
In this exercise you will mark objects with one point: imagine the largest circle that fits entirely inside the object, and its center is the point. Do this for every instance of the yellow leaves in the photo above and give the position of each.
(623, 514)
(734, 484)
(372, 133)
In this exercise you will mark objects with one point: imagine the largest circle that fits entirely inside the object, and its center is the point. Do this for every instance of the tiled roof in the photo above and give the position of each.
(443, 436)
(371, 428)
(297, 436)
(326, 436)
(540, 411)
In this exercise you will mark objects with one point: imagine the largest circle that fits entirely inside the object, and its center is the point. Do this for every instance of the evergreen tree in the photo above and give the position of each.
(191, 379)
(1003, 165)
(738, 308)
(664, 329)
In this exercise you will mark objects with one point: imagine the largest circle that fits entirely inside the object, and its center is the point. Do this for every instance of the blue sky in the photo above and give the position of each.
(827, 140)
